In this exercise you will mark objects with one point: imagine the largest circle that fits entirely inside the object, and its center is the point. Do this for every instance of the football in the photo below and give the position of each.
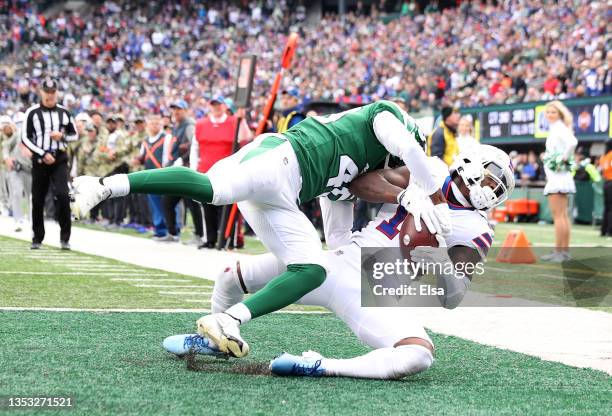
(410, 238)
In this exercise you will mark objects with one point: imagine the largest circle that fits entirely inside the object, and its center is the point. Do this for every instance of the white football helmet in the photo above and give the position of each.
(487, 172)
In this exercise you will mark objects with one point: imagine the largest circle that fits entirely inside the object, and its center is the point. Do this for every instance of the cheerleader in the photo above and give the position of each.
(465, 134)
(558, 165)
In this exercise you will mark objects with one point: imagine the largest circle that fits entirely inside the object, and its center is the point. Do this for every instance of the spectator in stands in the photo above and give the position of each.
(605, 166)
(465, 133)
(530, 171)
(4, 193)
(291, 113)
(18, 161)
(82, 120)
(443, 140)
(560, 145)
(158, 150)
(85, 161)
(131, 70)
(183, 131)
(214, 140)
(110, 156)
(584, 170)
(138, 207)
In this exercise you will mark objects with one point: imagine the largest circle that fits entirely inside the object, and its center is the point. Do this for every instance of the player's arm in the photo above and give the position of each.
(337, 222)
(455, 280)
(456, 286)
(381, 186)
(398, 141)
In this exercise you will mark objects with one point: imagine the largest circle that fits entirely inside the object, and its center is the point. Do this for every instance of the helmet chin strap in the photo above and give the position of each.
(459, 196)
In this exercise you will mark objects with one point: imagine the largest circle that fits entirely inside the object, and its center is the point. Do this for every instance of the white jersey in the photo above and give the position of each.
(470, 227)
(560, 140)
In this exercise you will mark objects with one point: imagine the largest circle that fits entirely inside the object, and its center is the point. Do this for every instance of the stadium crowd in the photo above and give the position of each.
(136, 57)
(121, 62)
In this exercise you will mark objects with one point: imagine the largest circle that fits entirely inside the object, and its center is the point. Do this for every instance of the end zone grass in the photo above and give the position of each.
(113, 363)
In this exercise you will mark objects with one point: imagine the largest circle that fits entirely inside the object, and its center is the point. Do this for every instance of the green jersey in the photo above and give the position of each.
(335, 149)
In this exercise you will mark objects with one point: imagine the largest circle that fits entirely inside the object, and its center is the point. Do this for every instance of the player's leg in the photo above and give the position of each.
(402, 347)
(291, 237)
(287, 233)
(231, 284)
(242, 277)
(232, 179)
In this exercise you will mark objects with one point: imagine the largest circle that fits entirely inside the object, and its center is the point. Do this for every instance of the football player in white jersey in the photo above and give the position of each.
(480, 180)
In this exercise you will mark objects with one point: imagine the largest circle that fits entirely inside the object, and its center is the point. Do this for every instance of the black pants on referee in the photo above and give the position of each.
(42, 177)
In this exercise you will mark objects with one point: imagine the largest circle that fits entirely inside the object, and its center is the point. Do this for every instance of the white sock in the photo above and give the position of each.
(227, 291)
(119, 185)
(383, 363)
(239, 311)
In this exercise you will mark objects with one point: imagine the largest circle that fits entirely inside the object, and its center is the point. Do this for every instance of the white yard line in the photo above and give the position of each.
(84, 265)
(141, 279)
(80, 273)
(51, 257)
(111, 269)
(178, 310)
(573, 336)
(172, 286)
(17, 308)
(500, 269)
(165, 293)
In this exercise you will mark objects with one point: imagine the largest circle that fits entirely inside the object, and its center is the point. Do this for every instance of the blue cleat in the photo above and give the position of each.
(308, 364)
(191, 343)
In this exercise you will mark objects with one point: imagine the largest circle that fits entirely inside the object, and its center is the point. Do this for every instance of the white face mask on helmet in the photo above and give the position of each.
(488, 174)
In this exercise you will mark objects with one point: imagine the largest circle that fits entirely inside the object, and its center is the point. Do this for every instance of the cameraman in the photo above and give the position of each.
(47, 130)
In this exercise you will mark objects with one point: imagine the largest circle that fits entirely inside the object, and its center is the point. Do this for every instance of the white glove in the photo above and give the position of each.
(421, 209)
(425, 254)
(443, 218)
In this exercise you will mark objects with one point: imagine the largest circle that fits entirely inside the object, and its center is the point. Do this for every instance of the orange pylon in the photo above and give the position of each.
(516, 249)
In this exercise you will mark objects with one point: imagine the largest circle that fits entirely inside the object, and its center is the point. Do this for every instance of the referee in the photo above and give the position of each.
(47, 128)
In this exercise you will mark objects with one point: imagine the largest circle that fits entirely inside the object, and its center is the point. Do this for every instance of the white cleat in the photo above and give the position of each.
(87, 193)
(223, 330)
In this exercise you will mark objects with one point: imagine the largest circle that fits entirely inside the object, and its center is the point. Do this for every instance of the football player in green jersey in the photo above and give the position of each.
(269, 178)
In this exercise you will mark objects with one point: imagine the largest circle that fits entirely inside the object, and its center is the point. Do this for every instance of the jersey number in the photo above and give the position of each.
(390, 226)
(346, 173)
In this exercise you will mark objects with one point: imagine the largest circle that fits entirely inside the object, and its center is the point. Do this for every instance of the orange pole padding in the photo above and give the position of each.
(230, 220)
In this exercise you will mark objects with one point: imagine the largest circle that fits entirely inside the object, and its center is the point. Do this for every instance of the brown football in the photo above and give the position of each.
(409, 238)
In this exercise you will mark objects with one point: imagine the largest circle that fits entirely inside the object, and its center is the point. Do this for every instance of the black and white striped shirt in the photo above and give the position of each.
(40, 121)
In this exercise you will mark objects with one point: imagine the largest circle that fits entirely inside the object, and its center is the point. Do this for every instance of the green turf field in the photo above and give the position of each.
(54, 278)
(112, 363)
